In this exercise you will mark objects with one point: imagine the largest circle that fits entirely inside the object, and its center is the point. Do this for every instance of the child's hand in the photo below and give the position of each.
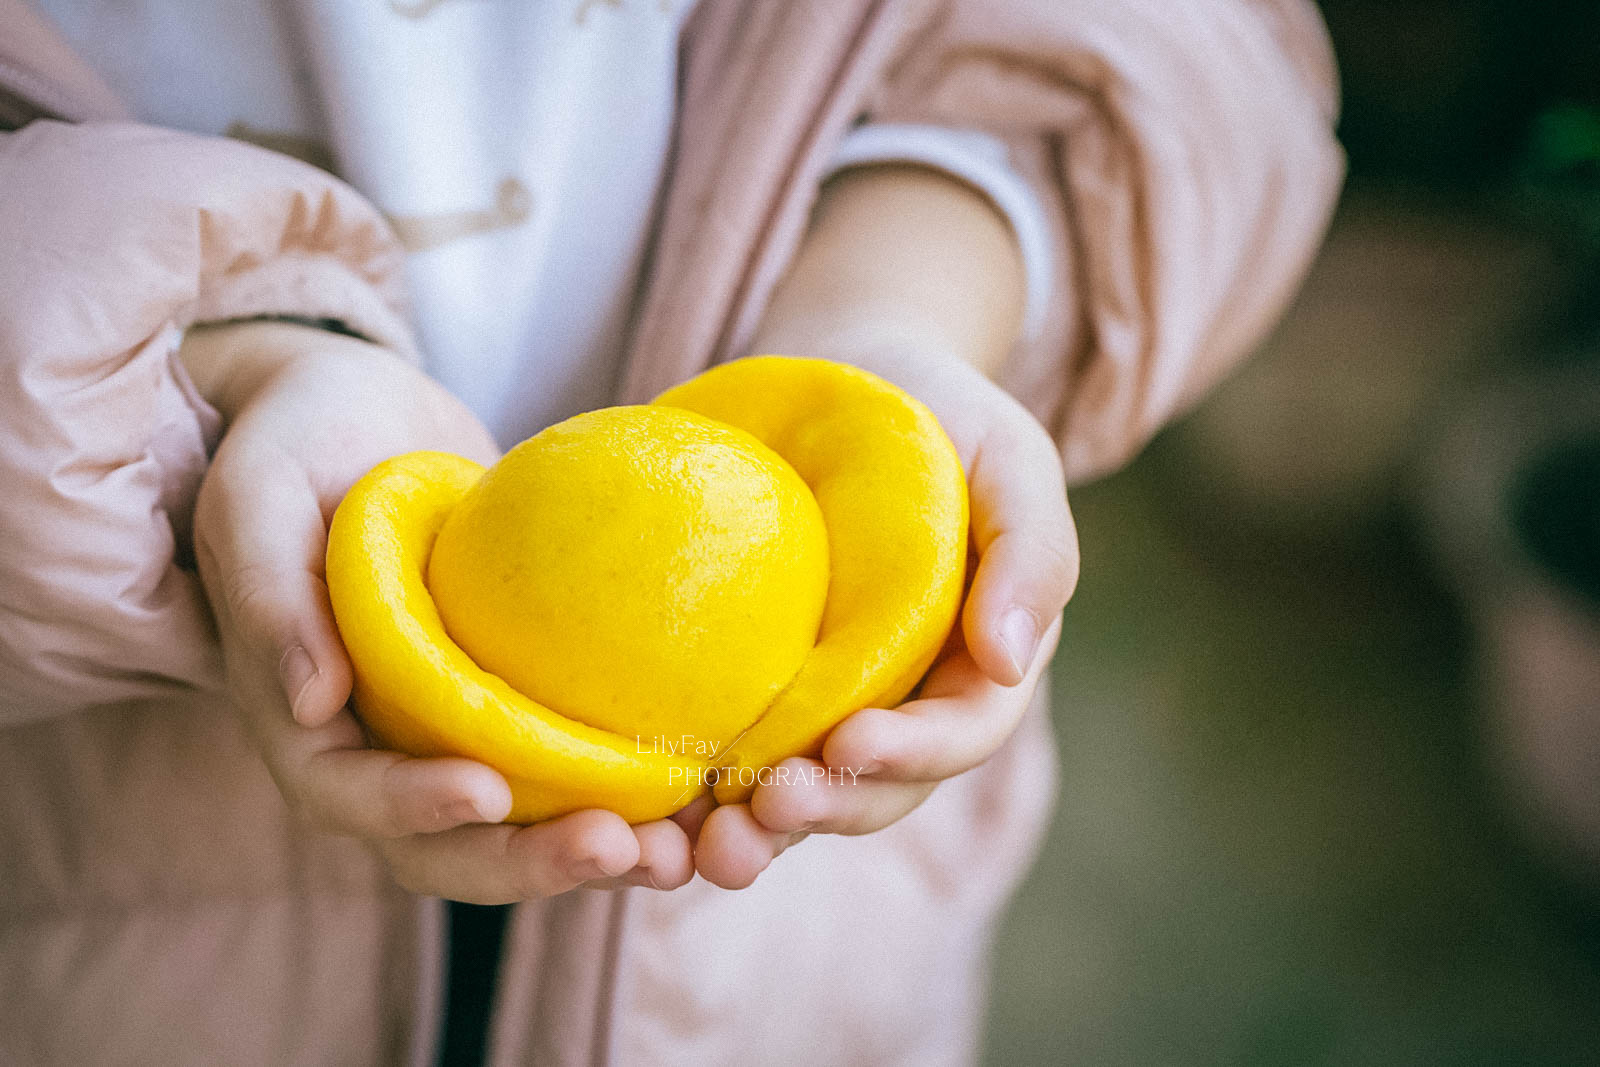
(310, 412)
(914, 275)
(972, 700)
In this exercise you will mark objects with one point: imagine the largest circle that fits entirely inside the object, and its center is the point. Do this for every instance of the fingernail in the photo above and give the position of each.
(1020, 636)
(296, 672)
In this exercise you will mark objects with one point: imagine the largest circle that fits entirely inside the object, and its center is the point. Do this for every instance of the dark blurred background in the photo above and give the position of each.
(1327, 701)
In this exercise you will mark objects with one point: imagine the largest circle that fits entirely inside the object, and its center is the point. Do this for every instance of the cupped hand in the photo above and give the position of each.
(885, 762)
(308, 413)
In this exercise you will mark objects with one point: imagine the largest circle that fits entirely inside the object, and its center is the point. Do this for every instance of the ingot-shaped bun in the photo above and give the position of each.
(656, 597)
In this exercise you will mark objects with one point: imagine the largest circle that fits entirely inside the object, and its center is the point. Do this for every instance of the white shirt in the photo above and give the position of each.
(518, 148)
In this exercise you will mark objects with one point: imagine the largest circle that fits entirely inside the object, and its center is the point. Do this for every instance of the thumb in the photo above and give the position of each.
(1027, 553)
(260, 543)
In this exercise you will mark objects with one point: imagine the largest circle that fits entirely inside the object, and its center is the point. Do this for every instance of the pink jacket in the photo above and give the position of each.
(157, 903)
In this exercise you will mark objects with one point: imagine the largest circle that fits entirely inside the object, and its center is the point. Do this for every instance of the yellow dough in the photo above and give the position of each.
(642, 600)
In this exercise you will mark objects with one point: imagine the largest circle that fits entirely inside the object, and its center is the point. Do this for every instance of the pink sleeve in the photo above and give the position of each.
(1185, 156)
(118, 237)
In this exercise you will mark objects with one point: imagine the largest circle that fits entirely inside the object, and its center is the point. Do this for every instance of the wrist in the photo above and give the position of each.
(900, 259)
(232, 362)
(871, 342)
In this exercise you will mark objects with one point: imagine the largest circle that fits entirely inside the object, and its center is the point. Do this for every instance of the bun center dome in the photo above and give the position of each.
(645, 570)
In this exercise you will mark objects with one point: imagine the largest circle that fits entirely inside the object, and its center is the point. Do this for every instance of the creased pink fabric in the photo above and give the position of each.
(119, 237)
(160, 906)
(1186, 149)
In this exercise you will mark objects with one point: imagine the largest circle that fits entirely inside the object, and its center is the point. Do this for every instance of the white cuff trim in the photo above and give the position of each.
(981, 161)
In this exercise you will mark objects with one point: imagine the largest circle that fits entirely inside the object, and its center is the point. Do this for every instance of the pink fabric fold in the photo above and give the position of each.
(104, 441)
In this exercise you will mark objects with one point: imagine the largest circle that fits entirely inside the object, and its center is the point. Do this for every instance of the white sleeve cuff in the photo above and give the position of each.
(981, 161)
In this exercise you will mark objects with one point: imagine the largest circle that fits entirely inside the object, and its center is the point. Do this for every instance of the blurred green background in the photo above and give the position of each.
(1282, 837)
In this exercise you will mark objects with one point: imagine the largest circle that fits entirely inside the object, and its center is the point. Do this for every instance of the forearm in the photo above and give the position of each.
(900, 259)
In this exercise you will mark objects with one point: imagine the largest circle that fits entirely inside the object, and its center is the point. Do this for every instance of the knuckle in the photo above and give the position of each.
(530, 879)
(1056, 565)
(394, 814)
(246, 591)
(1025, 438)
(1036, 441)
(311, 809)
(1041, 458)
(1022, 458)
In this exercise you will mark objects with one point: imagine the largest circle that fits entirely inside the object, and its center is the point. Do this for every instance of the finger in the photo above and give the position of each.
(691, 818)
(332, 779)
(733, 848)
(505, 864)
(1027, 551)
(962, 718)
(378, 794)
(265, 579)
(666, 858)
(805, 801)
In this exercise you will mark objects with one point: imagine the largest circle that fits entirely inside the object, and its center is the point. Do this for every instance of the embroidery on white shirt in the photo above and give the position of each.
(513, 205)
